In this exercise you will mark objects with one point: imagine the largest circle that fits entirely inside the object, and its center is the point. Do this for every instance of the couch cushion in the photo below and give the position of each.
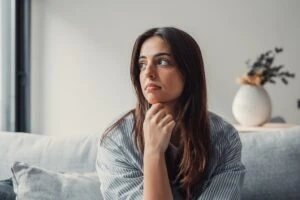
(34, 183)
(58, 153)
(272, 161)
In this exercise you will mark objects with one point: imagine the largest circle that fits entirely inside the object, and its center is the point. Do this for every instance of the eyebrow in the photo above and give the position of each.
(158, 54)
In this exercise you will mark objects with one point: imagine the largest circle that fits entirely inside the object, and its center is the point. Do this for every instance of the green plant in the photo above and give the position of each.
(263, 70)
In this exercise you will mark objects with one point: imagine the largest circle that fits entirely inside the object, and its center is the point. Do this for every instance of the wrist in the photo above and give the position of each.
(149, 154)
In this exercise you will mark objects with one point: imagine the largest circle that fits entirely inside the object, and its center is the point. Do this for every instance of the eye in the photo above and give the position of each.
(163, 62)
(142, 65)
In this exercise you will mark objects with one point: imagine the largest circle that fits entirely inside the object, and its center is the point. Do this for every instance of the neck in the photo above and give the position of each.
(176, 136)
(170, 109)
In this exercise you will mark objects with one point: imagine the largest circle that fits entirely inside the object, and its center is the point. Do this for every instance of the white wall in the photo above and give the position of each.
(81, 54)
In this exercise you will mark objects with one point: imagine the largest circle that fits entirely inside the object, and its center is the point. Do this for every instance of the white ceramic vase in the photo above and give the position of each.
(252, 105)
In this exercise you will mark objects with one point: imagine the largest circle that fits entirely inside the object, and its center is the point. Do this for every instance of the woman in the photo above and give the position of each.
(169, 146)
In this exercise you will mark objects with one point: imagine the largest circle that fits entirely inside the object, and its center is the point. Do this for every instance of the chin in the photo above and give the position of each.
(153, 100)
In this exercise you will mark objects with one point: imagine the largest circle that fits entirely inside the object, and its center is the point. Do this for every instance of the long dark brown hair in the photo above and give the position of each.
(191, 106)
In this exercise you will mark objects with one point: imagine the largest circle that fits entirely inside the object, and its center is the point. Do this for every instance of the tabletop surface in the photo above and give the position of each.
(264, 127)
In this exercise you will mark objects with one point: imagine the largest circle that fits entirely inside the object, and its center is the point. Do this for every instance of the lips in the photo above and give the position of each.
(151, 87)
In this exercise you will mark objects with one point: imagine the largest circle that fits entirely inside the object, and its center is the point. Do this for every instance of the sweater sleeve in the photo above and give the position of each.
(227, 179)
(119, 179)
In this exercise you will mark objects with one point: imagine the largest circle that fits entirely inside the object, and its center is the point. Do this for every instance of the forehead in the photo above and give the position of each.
(154, 45)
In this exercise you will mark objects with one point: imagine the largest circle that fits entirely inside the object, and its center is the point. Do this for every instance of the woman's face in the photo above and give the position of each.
(160, 78)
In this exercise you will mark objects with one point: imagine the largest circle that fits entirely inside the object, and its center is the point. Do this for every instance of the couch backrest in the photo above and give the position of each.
(272, 161)
(61, 154)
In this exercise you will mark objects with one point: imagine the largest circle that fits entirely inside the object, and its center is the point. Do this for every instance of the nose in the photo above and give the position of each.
(150, 71)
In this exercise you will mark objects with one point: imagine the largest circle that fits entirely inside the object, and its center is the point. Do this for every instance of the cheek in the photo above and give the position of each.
(142, 84)
(141, 80)
(176, 83)
(179, 87)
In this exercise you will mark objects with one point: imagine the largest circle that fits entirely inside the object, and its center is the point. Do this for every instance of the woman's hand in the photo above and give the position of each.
(157, 127)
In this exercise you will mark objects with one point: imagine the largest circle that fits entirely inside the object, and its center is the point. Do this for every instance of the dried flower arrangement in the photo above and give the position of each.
(263, 70)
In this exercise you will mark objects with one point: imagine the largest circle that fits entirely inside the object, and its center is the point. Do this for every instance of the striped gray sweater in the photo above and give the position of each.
(120, 164)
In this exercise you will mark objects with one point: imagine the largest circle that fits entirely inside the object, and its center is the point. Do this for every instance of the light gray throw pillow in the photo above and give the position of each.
(34, 183)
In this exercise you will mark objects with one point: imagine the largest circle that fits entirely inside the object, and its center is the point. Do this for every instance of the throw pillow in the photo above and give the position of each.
(34, 183)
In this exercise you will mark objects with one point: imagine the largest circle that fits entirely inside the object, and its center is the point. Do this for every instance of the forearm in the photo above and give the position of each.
(156, 181)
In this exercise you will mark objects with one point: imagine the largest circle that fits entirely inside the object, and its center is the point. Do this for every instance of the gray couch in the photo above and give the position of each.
(272, 161)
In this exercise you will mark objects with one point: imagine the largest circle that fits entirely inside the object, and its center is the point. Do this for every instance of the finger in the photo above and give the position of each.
(164, 121)
(170, 125)
(159, 115)
(154, 109)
